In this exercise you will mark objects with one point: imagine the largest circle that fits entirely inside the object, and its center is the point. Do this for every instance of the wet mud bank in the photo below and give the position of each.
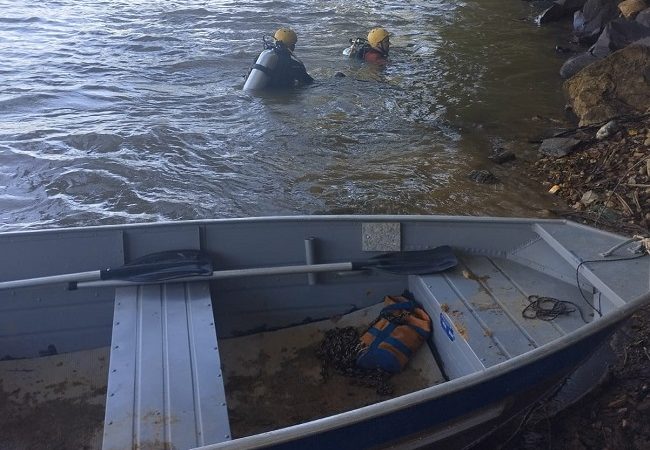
(600, 170)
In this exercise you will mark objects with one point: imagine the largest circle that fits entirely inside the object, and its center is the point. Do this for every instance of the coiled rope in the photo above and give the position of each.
(549, 308)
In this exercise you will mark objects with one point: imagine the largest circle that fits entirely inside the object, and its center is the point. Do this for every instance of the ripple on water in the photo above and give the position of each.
(114, 111)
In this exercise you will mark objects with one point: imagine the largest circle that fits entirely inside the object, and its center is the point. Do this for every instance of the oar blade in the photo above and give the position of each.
(419, 262)
(162, 266)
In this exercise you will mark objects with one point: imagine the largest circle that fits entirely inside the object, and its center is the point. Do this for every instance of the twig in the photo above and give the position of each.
(635, 196)
(624, 203)
(611, 153)
(620, 181)
(638, 185)
(645, 350)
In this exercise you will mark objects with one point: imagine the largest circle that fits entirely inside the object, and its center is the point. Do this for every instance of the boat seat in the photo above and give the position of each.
(165, 386)
(477, 311)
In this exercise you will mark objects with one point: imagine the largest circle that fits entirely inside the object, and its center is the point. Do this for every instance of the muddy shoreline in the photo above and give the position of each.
(600, 171)
(595, 185)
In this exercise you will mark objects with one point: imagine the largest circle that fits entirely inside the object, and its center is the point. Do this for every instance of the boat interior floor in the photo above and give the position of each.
(274, 379)
(54, 402)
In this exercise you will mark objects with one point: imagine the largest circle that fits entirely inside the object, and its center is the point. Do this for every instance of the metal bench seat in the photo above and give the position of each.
(165, 386)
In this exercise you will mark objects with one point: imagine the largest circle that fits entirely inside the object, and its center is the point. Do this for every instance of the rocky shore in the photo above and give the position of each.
(601, 170)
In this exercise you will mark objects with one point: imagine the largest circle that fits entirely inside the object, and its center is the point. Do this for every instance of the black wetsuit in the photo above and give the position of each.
(289, 71)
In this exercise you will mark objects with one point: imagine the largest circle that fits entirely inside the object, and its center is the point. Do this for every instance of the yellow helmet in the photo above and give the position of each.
(377, 35)
(287, 36)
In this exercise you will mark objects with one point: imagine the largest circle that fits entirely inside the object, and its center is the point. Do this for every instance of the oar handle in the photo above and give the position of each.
(52, 279)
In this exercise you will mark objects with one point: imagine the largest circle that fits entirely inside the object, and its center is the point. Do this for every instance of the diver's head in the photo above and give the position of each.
(378, 38)
(287, 36)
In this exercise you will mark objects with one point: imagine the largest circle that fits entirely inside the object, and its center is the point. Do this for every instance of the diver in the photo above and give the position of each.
(374, 49)
(277, 66)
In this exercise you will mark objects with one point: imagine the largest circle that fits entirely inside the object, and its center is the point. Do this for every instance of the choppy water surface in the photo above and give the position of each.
(123, 111)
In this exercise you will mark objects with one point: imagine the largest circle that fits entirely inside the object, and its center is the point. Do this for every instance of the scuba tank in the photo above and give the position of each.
(261, 71)
(357, 49)
(260, 74)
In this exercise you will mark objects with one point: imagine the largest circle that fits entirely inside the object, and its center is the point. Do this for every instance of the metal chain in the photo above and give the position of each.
(338, 351)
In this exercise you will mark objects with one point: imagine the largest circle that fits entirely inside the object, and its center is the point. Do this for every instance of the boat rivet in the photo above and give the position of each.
(211, 323)
(228, 436)
(219, 375)
(110, 423)
(215, 348)
(116, 347)
(112, 394)
(114, 370)
(223, 403)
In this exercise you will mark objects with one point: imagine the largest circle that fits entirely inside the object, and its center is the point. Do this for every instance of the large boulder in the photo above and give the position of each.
(576, 63)
(592, 19)
(560, 9)
(617, 34)
(644, 17)
(630, 8)
(616, 85)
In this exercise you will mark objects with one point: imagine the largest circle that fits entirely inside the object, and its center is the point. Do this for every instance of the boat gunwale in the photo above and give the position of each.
(298, 218)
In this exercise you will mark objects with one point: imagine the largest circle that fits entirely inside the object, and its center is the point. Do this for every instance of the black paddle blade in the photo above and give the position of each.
(419, 262)
(162, 266)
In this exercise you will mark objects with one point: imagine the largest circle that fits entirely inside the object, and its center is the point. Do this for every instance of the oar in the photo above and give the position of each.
(418, 262)
(156, 267)
(150, 270)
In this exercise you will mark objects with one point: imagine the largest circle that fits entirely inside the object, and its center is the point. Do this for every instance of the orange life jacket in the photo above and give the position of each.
(402, 327)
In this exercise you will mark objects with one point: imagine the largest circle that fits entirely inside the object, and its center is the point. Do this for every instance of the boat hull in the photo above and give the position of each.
(498, 361)
(458, 419)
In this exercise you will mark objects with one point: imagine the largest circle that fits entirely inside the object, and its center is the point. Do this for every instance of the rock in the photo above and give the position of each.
(502, 156)
(554, 189)
(614, 86)
(558, 146)
(560, 49)
(576, 63)
(588, 198)
(339, 75)
(644, 17)
(630, 8)
(607, 130)
(483, 177)
(618, 34)
(593, 18)
(560, 9)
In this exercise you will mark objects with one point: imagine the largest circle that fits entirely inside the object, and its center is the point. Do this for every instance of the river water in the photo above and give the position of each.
(127, 111)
